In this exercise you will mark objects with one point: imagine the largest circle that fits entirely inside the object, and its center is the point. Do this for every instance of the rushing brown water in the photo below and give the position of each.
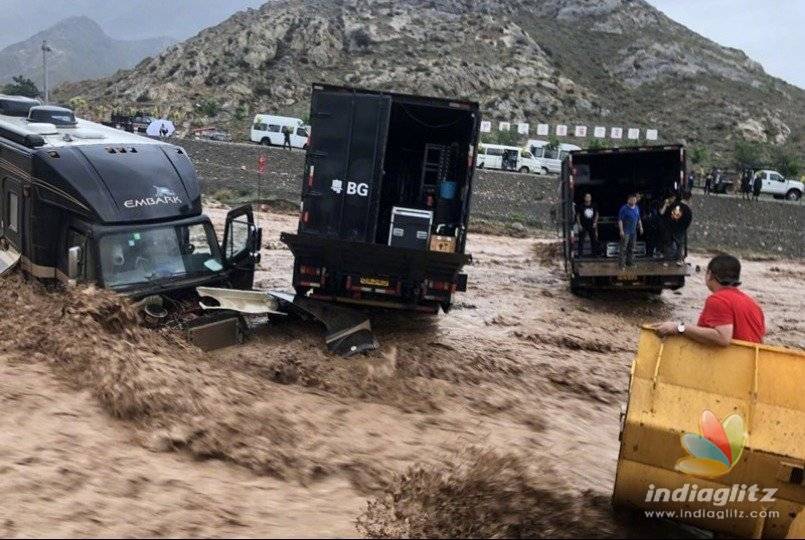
(109, 429)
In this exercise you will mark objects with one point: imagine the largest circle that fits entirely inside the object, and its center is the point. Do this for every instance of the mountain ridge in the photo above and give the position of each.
(80, 50)
(603, 62)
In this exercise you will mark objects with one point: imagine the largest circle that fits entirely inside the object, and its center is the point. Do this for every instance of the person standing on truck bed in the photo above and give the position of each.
(657, 235)
(587, 219)
(628, 224)
(728, 313)
(678, 216)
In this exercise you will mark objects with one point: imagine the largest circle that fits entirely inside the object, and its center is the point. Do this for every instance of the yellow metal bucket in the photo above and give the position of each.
(715, 437)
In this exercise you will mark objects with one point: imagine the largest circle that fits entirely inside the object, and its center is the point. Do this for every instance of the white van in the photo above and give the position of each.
(550, 159)
(490, 156)
(268, 129)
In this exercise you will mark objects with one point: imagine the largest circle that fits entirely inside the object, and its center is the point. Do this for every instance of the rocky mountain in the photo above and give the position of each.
(80, 50)
(599, 62)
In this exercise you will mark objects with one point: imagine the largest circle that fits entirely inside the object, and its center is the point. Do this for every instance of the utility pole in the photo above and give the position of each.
(45, 51)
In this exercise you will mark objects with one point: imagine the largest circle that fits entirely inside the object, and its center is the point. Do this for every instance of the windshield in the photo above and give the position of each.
(149, 254)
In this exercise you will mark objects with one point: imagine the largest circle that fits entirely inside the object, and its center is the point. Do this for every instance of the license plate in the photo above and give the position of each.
(627, 276)
(374, 282)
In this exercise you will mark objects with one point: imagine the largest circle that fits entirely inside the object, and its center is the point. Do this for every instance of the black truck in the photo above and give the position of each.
(81, 202)
(610, 175)
(386, 195)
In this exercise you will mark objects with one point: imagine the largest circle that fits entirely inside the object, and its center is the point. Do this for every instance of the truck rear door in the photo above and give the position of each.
(344, 165)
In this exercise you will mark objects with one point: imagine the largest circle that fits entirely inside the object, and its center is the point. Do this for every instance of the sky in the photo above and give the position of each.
(771, 32)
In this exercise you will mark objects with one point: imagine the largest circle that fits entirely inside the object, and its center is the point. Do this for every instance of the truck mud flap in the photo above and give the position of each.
(216, 330)
(348, 331)
(9, 258)
(720, 419)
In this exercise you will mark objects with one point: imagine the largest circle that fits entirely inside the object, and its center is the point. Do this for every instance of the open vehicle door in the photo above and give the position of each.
(241, 246)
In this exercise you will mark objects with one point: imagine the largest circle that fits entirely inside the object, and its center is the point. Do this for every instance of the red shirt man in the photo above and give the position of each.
(731, 306)
(728, 313)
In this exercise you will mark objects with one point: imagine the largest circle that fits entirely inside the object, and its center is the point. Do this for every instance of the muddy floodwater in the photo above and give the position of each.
(108, 429)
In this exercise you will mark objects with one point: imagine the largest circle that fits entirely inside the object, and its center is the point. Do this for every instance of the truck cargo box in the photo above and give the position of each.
(383, 174)
(609, 175)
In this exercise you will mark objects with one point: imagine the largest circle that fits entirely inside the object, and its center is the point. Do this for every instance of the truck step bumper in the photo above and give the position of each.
(611, 268)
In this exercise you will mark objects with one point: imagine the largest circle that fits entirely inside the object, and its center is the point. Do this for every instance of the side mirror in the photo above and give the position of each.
(73, 262)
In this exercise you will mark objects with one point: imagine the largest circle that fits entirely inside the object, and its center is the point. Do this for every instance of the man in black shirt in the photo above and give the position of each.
(678, 217)
(587, 219)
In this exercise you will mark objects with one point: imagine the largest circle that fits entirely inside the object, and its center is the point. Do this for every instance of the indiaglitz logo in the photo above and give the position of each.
(716, 450)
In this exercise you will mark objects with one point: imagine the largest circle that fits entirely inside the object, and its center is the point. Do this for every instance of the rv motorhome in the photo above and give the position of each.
(82, 202)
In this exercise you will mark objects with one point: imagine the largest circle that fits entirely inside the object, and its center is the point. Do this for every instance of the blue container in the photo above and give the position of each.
(447, 190)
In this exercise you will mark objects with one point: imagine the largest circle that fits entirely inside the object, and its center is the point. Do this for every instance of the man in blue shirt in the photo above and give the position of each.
(629, 224)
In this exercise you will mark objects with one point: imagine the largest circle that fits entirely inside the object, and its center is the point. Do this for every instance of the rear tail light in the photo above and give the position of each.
(305, 216)
(312, 276)
(310, 176)
(441, 286)
(310, 270)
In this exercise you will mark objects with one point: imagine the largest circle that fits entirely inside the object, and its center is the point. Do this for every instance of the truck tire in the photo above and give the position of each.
(525, 170)
(545, 171)
(793, 195)
(265, 141)
(481, 165)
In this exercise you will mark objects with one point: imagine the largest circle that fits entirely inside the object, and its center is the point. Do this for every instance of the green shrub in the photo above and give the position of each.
(786, 162)
(21, 87)
(209, 108)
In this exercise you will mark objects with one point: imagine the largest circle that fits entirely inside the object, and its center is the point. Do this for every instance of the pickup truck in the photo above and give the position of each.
(776, 185)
